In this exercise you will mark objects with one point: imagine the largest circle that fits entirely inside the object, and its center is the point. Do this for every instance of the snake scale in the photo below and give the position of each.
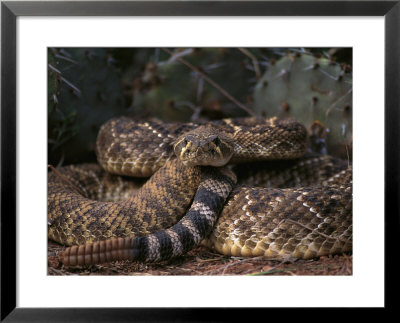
(304, 212)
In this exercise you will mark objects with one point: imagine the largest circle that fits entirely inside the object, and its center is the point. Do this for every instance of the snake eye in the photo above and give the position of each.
(215, 140)
(182, 142)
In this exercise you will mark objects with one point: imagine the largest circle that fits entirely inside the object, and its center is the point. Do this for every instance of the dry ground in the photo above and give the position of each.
(202, 261)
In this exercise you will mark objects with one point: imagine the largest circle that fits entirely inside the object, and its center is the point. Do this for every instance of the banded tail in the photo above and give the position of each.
(215, 186)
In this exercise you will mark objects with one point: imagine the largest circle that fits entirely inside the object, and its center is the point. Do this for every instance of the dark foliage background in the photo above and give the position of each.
(87, 86)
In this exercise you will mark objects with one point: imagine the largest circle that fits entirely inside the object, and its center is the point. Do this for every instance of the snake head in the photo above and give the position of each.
(206, 146)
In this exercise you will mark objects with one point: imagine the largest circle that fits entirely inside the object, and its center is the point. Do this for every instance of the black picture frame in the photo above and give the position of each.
(11, 10)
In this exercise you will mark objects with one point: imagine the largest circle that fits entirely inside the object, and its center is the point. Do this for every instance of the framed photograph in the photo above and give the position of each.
(297, 100)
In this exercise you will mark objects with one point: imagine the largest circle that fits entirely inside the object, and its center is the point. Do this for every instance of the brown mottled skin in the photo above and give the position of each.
(310, 219)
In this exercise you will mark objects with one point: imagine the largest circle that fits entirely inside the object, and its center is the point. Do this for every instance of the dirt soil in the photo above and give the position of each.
(202, 261)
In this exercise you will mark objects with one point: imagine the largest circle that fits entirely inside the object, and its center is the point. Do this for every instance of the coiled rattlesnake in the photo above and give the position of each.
(303, 222)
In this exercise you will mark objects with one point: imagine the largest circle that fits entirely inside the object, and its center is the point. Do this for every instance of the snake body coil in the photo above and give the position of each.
(148, 225)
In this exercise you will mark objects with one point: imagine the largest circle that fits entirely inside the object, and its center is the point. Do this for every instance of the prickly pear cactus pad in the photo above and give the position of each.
(314, 90)
(84, 91)
(172, 91)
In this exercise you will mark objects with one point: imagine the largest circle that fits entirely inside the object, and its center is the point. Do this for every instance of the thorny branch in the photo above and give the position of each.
(209, 80)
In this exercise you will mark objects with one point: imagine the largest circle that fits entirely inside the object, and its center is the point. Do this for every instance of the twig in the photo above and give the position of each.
(241, 261)
(214, 84)
(273, 270)
(253, 60)
(181, 54)
(58, 272)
